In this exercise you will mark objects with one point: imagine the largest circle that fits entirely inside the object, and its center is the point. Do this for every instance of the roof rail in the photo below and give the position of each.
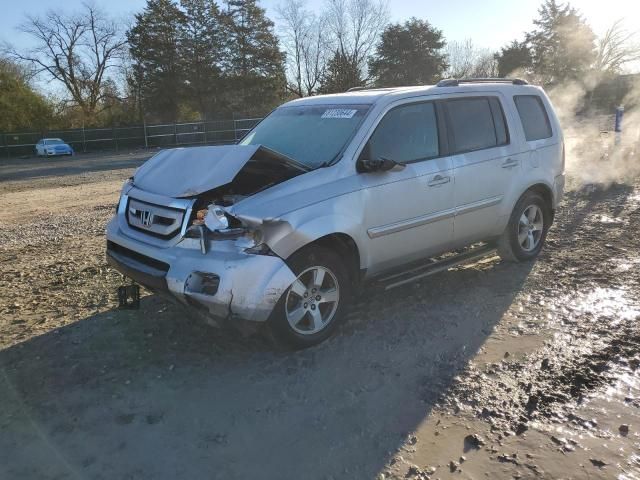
(454, 82)
(357, 89)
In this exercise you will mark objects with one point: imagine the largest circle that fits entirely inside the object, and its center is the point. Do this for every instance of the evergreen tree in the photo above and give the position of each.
(409, 54)
(157, 64)
(254, 63)
(514, 57)
(201, 51)
(342, 73)
(562, 45)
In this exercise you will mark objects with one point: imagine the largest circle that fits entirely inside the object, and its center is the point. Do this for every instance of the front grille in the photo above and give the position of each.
(156, 220)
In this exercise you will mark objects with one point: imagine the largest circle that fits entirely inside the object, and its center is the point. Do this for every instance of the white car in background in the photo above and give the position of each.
(49, 147)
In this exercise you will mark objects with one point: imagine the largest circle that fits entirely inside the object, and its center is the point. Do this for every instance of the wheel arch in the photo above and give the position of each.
(327, 232)
(546, 192)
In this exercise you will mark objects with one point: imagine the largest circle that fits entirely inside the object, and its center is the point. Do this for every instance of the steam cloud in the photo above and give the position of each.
(592, 155)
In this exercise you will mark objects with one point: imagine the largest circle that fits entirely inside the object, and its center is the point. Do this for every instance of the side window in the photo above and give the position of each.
(533, 115)
(476, 123)
(407, 133)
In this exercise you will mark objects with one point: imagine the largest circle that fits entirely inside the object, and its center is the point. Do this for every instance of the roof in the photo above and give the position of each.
(374, 95)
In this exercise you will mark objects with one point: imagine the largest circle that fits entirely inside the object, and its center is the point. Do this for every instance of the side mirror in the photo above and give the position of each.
(367, 165)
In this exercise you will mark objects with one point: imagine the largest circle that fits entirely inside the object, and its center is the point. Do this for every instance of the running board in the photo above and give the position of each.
(434, 266)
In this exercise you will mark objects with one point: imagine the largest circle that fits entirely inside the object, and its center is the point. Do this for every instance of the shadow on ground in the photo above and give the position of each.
(151, 394)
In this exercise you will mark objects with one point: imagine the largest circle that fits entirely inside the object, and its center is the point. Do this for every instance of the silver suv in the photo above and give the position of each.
(331, 191)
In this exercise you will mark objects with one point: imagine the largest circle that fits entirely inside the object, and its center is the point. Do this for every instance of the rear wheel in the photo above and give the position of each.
(314, 305)
(524, 236)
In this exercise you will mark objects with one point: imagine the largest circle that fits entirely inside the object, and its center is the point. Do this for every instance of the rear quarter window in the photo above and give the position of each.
(533, 116)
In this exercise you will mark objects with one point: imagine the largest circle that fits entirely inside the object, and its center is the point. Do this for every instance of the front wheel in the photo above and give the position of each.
(526, 232)
(313, 306)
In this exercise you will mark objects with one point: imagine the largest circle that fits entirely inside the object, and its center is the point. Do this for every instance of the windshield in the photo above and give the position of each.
(312, 135)
(54, 141)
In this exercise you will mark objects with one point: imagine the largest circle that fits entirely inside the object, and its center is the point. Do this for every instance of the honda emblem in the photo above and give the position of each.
(146, 218)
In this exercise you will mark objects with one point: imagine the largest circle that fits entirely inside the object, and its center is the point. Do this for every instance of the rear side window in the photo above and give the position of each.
(533, 115)
(476, 123)
(407, 133)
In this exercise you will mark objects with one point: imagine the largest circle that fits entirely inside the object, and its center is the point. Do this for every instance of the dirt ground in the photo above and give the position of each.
(490, 370)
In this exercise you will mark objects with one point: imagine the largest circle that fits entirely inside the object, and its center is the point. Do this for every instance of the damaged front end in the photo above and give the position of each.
(175, 231)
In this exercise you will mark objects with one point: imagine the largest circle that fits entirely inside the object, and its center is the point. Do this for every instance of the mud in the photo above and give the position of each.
(490, 370)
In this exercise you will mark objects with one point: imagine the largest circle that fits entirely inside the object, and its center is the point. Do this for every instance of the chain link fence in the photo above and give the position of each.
(218, 132)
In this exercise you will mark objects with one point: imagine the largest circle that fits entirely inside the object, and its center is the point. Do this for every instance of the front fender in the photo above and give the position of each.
(289, 235)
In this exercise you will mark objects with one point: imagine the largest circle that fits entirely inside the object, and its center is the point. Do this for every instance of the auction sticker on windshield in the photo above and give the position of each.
(339, 113)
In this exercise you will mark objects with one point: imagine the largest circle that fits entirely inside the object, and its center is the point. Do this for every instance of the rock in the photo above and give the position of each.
(413, 471)
(453, 466)
(597, 463)
(474, 441)
(507, 354)
(624, 429)
(413, 439)
(545, 364)
(521, 428)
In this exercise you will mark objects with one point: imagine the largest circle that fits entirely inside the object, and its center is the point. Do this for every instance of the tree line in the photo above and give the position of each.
(182, 60)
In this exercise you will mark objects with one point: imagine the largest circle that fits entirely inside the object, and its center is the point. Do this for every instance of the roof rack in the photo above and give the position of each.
(454, 82)
(357, 89)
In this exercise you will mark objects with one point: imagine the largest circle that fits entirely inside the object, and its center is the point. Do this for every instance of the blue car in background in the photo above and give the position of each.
(49, 147)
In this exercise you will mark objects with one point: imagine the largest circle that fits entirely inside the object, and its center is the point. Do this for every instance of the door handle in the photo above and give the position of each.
(510, 163)
(439, 180)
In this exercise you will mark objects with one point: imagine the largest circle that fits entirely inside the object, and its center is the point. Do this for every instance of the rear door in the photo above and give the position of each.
(484, 162)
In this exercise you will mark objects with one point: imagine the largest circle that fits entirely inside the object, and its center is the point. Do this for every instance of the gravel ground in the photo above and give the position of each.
(490, 370)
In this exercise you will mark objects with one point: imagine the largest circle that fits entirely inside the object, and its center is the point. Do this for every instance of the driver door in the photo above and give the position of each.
(408, 210)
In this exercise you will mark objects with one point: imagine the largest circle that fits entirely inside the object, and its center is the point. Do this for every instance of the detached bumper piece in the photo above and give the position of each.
(129, 297)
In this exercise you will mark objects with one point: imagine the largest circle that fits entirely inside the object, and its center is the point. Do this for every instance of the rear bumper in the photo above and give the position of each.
(224, 283)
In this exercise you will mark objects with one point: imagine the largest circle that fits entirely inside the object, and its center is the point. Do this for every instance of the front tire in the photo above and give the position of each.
(526, 232)
(312, 308)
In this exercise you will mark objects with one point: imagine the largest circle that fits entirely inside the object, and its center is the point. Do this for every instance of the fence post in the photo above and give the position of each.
(84, 140)
(204, 126)
(235, 131)
(144, 125)
(6, 146)
(115, 137)
(175, 133)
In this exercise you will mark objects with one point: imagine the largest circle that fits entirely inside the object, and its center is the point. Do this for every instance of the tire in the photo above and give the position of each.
(522, 241)
(299, 319)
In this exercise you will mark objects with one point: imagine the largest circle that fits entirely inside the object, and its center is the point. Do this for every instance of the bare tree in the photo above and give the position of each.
(467, 60)
(301, 33)
(616, 48)
(485, 64)
(355, 26)
(461, 57)
(76, 50)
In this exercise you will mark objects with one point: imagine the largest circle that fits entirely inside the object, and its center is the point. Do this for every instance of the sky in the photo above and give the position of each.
(489, 23)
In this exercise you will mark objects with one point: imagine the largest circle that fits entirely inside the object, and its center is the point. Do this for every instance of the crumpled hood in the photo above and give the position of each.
(186, 172)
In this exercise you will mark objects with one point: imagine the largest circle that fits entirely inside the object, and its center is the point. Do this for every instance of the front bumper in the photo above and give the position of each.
(248, 286)
(59, 153)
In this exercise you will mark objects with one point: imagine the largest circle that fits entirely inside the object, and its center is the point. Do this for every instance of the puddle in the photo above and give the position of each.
(624, 265)
(611, 220)
(603, 302)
